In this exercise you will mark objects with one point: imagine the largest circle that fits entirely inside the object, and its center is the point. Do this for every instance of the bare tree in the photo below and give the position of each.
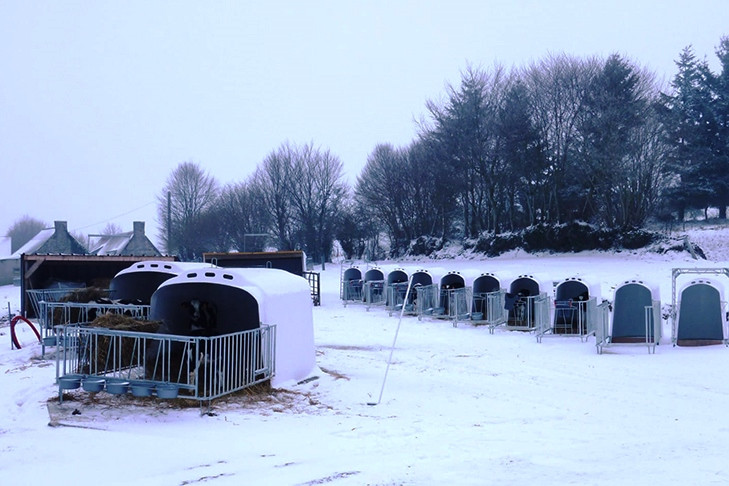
(23, 230)
(192, 193)
(273, 180)
(301, 188)
(111, 229)
(382, 187)
(241, 212)
(316, 195)
(558, 85)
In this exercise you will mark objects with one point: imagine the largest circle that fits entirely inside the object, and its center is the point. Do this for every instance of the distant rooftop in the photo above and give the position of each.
(56, 240)
(133, 242)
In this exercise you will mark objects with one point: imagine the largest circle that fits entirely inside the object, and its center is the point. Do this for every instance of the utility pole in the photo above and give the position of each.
(169, 221)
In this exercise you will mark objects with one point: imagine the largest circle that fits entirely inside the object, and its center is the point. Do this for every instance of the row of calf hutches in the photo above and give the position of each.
(630, 313)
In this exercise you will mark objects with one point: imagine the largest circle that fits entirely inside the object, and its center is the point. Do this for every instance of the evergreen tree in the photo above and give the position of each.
(721, 114)
(689, 124)
(523, 159)
(615, 109)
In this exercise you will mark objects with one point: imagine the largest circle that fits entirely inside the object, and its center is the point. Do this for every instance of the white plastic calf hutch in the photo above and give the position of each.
(527, 305)
(351, 285)
(243, 299)
(454, 298)
(139, 281)
(423, 294)
(397, 286)
(488, 306)
(575, 310)
(374, 287)
(635, 318)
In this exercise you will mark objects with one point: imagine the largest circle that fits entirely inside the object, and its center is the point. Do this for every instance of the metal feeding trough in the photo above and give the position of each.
(92, 384)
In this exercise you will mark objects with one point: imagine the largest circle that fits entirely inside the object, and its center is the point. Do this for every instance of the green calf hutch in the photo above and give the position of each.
(701, 314)
(635, 318)
(699, 307)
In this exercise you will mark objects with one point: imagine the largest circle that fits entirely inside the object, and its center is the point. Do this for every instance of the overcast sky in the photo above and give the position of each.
(101, 100)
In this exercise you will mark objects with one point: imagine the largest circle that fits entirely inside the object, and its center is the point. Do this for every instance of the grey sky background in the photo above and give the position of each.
(101, 100)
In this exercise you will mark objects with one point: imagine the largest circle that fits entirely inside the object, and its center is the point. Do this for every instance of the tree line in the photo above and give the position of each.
(565, 139)
(294, 196)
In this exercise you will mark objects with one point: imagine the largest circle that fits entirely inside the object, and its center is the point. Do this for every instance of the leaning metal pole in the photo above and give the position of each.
(394, 340)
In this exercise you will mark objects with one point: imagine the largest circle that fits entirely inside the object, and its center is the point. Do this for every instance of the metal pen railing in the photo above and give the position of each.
(53, 314)
(201, 368)
(652, 328)
(493, 303)
(374, 293)
(571, 318)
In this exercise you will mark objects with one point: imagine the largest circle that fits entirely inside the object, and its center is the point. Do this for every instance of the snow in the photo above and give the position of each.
(459, 405)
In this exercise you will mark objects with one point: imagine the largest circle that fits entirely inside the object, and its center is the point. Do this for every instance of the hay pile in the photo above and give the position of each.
(87, 294)
(81, 296)
(127, 355)
(121, 322)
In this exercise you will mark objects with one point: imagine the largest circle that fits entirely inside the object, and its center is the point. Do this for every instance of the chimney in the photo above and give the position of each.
(139, 228)
(60, 227)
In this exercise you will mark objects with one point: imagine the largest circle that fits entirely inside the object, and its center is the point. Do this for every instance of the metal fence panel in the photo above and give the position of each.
(48, 295)
(523, 314)
(571, 318)
(374, 293)
(489, 309)
(202, 368)
(426, 301)
(540, 315)
(653, 328)
(352, 291)
(315, 286)
(53, 314)
(457, 302)
(395, 298)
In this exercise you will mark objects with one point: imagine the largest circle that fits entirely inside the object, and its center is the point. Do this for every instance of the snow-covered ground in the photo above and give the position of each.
(460, 406)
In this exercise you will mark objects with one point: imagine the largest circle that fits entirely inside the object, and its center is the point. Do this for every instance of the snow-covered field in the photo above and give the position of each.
(460, 406)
